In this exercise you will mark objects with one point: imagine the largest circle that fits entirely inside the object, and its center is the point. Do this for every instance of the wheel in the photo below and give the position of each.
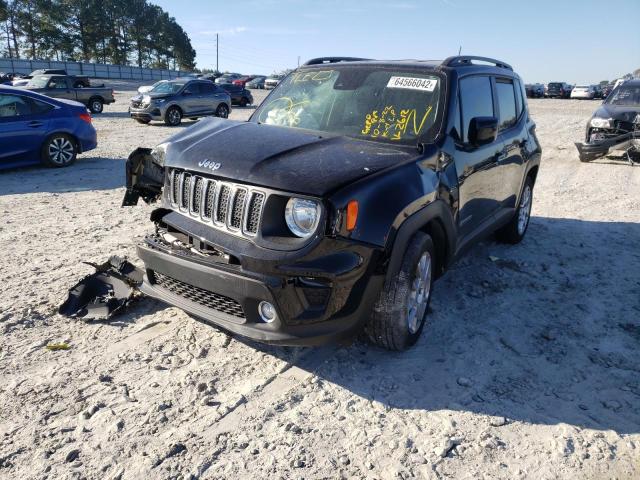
(95, 105)
(59, 150)
(400, 311)
(513, 232)
(222, 111)
(144, 121)
(173, 117)
(244, 102)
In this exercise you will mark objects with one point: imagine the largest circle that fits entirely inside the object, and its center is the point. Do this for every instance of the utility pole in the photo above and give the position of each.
(217, 42)
(298, 60)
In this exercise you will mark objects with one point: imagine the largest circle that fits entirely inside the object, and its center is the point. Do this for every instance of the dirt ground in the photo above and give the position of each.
(529, 367)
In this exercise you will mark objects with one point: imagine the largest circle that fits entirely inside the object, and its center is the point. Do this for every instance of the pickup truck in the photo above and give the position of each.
(61, 86)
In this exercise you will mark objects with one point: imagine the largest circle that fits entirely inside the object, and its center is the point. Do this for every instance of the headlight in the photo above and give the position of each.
(601, 122)
(146, 99)
(159, 152)
(302, 216)
(160, 100)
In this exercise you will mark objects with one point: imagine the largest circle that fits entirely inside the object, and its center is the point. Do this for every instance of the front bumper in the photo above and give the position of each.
(319, 297)
(151, 112)
(593, 150)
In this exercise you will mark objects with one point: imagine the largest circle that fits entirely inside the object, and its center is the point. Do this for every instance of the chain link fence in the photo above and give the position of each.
(94, 70)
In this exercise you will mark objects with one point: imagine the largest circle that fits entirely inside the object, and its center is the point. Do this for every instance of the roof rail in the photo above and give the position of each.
(321, 60)
(461, 60)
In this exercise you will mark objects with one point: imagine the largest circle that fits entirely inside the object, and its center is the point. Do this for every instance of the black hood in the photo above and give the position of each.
(289, 159)
(623, 113)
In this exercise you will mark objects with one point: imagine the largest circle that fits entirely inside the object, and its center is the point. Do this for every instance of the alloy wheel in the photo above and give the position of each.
(524, 212)
(419, 294)
(60, 150)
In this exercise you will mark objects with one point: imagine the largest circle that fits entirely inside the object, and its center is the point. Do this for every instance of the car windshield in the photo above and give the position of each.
(625, 95)
(389, 105)
(555, 85)
(38, 81)
(167, 87)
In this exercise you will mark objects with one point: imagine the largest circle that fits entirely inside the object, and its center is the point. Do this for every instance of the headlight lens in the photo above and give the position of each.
(159, 152)
(302, 216)
(601, 122)
(160, 100)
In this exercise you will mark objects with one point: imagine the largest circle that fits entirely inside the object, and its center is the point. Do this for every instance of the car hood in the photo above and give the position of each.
(624, 113)
(294, 160)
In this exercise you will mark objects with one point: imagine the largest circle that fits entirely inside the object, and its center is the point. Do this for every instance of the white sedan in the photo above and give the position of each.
(583, 91)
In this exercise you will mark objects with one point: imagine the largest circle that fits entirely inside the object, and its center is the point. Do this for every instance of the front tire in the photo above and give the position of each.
(514, 231)
(173, 117)
(59, 150)
(222, 111)
(143, 121)
(400, 311)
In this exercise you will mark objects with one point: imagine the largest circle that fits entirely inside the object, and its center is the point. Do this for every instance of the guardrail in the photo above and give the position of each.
(94, 70)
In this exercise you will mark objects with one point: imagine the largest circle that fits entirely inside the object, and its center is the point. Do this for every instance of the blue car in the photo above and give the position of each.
(36, 129)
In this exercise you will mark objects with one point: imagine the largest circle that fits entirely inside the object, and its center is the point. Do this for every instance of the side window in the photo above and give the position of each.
(208, 89)
(476, 100)
(506, 103)
(40, 107)
(14, 106)
(192, 88)
(58, 83)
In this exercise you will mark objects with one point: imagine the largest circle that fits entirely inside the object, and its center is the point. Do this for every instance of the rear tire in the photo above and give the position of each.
(59, 150)
(173, 117)
(222, 111)
(514, 231)
(400, 311)
(244, 102)
(96, 105)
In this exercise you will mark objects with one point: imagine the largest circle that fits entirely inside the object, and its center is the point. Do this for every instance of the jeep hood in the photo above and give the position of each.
(294, 160)
(624, 113)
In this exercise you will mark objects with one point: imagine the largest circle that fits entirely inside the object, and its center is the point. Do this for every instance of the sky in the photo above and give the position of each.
(574, 41)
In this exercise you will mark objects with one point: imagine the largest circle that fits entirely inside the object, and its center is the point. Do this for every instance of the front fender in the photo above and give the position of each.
(145, 178)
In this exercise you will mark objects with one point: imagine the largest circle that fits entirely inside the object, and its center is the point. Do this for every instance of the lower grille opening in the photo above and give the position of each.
(198, 295)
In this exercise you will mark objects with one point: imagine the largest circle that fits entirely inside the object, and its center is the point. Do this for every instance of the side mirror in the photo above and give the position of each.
(187, 92)
(482, 130)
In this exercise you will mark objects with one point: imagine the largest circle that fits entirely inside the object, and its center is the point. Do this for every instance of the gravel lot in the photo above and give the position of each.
(529, 369)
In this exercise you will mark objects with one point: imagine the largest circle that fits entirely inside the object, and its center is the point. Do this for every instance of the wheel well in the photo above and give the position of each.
(176, 106)
(96, 97)
(439, 236)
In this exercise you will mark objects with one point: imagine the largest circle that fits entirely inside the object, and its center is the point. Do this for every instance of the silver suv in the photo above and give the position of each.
(180, 98)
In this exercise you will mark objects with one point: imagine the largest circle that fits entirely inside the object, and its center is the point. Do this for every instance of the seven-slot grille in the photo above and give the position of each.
(199, 295)
(235, 208)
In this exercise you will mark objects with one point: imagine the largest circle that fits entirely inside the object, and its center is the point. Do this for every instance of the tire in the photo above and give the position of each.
(59, 150)
(96, 105)
(173, 116)
(514, 231)
(143, 121)
(244, 102)
(396, 322)
(222, 111)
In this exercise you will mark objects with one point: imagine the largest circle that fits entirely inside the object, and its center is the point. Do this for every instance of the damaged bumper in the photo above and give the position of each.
(593, 150)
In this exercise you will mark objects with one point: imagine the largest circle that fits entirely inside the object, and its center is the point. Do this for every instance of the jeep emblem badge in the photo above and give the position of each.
(209, 164)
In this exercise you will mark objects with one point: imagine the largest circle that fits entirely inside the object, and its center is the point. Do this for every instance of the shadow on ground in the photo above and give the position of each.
(88, 173)
(545, 332)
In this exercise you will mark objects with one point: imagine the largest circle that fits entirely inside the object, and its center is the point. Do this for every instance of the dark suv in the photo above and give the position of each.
(352, 187)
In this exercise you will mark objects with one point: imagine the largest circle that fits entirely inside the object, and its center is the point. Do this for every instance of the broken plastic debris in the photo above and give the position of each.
(58, 346)
(104, 293)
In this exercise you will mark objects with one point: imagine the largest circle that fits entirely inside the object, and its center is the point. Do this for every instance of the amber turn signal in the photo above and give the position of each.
(352, 214)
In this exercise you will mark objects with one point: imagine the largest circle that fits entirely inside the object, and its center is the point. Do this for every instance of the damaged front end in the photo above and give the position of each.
(626, 143)
(145, 176)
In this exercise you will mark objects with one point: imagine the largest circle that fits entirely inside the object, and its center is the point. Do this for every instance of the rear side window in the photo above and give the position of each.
(39, 107)
(476, 100)
(208, 88)
(14, 106)
(506, 103)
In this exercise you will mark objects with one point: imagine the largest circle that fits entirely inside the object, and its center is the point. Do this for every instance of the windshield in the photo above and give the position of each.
(625, 95)
(371, 103)
(38, 81)
(167, 87)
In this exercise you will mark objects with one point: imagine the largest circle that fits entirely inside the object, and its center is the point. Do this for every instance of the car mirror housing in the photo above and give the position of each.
(483, 130)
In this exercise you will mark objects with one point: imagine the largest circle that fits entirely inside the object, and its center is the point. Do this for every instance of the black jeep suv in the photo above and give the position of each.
(351, 188)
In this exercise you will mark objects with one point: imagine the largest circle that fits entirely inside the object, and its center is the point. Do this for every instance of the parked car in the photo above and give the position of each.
(272, 81)
(615, 125)
(148, 88)
(583, 91)
(558, 90)
(174, 100)
(257, 82)
(6, 78)
(61, 86)
(227, 78)
(341, 200)
(607, 89)
(19, 82)
(78, 81)
(242, 81)
(35, 128)
(535, 90)
(239, 95)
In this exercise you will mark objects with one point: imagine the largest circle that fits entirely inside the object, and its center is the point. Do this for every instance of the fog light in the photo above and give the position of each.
(267, 312)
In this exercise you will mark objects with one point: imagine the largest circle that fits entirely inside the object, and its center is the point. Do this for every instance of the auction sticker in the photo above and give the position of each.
(426, 84)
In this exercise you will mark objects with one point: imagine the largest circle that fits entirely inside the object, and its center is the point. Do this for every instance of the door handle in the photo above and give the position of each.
(35, 124)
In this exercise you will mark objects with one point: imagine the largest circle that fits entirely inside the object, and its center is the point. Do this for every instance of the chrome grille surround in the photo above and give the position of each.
(234, 208)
